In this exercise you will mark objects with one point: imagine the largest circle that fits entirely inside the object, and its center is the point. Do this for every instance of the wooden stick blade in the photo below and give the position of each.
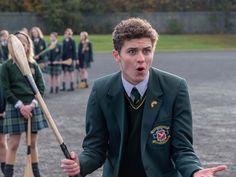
(18, 54)
(67, 62)
(52, 46)
(64, 62)
(28, 172)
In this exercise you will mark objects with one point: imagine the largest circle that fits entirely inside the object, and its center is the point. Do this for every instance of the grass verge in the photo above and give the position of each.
(196, 42)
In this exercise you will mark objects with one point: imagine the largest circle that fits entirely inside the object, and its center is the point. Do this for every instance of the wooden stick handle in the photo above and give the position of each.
(28, 136)
(28, 172)
(49, 118)
(44, 107)
(45, 110)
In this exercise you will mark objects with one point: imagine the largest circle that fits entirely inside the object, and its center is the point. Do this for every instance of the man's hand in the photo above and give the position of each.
(71, 167)
(209, 172)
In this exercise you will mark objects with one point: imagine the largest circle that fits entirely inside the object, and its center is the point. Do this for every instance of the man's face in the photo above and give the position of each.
(135, 59)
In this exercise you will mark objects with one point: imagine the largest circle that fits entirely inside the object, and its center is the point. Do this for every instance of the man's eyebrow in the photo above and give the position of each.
(132, 48)
(138, 47)
(147, 47)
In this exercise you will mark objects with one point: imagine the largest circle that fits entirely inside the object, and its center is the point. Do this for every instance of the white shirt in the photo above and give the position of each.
(141, 86)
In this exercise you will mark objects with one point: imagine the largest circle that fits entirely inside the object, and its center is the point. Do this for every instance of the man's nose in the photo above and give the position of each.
(140, 57)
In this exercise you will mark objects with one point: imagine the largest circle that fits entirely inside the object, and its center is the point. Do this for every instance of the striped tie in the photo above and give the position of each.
(135, 95)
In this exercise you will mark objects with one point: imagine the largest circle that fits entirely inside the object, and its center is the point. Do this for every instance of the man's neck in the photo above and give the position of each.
(141, 86)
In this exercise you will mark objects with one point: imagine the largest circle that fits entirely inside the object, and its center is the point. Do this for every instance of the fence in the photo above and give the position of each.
(164, 22)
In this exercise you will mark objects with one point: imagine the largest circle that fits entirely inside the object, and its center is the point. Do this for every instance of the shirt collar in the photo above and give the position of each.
(36, 39)
(141, 86)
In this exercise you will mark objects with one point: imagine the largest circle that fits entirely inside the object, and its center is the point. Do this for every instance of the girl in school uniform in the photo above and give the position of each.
(85, 55)
(3, 146)
(54, 69)
(3, 45)
(39, 45)
(21, 106)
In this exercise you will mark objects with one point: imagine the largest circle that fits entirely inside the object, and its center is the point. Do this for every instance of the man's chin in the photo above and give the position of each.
(139, 78)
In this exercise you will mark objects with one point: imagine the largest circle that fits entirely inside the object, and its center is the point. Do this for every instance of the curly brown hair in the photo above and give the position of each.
(133, 28)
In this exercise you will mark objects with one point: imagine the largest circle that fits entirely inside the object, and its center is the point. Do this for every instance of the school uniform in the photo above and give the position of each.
(68, 51)
(158, 130)
(39, 46)
(2, 102)
(86, 57)
(3, 52)
(55, 55)
(17, 90)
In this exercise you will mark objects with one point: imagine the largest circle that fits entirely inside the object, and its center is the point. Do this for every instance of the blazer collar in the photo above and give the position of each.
(117, 101)
(153, 93)
(116, 86)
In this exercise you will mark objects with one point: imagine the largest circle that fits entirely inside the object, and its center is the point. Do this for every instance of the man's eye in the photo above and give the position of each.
(132, 52)
(147, 51)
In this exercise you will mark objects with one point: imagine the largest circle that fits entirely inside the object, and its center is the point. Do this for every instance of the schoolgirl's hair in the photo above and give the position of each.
(22, 36)
(40, 33)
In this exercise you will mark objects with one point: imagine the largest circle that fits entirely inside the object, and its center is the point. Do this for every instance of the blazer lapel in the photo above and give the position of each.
(117, 105)
(151, 108)
(117, 101)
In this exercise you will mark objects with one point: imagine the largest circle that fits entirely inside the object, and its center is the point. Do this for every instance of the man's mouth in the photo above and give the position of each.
(140, 68)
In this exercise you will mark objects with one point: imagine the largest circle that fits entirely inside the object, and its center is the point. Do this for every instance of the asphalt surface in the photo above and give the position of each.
(211, 78)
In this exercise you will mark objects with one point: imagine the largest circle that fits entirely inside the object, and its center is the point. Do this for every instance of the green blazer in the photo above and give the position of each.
(166, 133)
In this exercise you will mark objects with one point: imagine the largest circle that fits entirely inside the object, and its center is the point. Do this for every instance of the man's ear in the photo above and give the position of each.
(116, 55)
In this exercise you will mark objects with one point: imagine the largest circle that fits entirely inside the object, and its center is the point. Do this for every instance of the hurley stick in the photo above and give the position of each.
(28, 168)
(65, 62)
(50, 47)
(17, 52)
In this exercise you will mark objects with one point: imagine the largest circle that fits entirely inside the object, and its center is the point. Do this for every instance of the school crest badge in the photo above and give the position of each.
(160, 134)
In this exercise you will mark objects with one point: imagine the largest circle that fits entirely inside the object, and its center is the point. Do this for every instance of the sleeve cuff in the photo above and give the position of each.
(18, 104)
(35, 102)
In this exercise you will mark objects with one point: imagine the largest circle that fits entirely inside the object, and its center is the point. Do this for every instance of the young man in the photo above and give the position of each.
(138, 120)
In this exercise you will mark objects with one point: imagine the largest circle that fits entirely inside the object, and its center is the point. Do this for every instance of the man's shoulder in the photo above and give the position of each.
(166, 76)
(107, 80)
(168, 82)
(103, 85)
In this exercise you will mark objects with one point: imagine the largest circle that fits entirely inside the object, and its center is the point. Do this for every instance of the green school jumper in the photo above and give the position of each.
(132, 162)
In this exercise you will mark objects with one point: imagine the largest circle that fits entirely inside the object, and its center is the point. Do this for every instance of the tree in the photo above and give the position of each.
(61, 14)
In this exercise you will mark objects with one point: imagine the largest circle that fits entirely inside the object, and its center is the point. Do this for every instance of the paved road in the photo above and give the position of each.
(211, 78)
